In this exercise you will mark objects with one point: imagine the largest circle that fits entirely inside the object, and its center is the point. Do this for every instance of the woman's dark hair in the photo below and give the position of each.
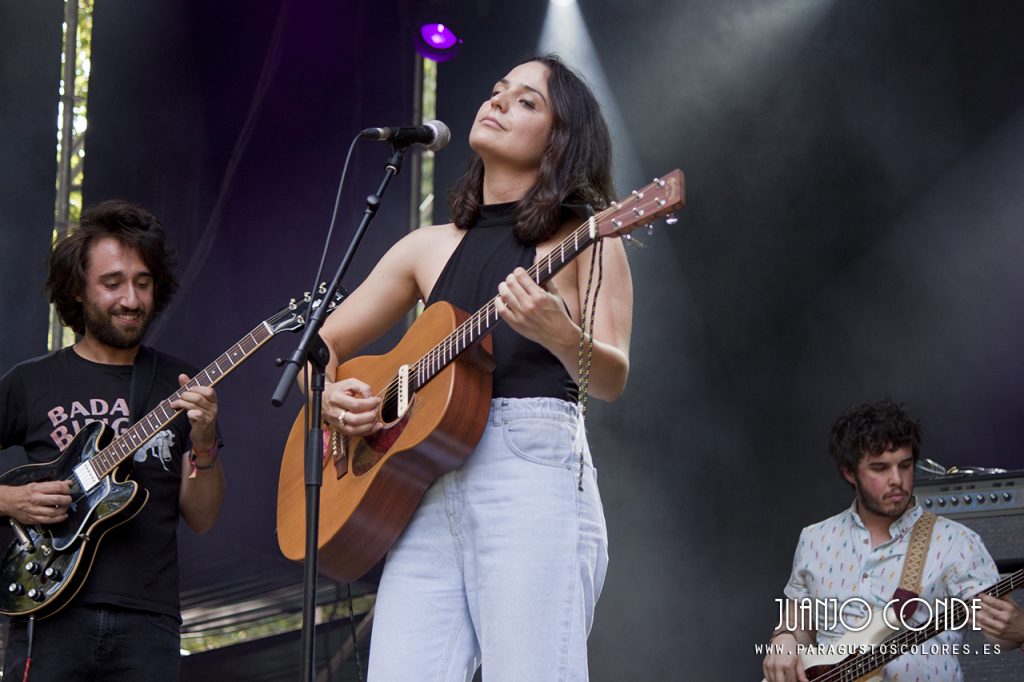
(576, 168)
(872, 429)
(134, 227)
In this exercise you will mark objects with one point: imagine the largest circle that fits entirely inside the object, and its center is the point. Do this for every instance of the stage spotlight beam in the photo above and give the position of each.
(565, 34)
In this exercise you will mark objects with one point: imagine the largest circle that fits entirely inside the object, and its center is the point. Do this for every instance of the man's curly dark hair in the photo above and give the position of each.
(871, 429)
(134, 227)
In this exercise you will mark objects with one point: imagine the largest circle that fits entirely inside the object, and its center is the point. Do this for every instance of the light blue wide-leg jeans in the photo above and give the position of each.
(502, 563)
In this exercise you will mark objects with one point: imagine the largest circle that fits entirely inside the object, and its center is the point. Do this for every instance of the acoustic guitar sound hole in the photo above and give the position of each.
(368, 451)
(389, 405)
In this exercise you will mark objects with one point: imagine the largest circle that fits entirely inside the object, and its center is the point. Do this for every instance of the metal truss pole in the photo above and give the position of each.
(67, 146)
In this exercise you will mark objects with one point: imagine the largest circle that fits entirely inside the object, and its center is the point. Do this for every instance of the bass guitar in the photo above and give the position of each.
(877, 645)
(435, 390)
(46, 565)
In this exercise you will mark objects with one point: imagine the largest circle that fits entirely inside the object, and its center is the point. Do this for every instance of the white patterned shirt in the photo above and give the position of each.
(834, 560)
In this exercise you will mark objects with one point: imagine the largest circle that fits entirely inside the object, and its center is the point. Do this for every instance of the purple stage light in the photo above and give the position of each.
(438, 36)
(437, 42)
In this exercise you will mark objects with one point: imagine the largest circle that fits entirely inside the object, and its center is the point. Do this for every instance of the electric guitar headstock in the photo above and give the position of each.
(293, 317)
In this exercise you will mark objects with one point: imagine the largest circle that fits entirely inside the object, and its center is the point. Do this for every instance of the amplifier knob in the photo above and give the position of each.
(1007, 496)
(981, 499)
(928, 502)
(967, 499)
(941, 501)
(954, 500)
(993, 497)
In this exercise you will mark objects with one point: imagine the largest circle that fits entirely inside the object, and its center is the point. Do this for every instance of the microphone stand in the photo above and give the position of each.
(312, 350)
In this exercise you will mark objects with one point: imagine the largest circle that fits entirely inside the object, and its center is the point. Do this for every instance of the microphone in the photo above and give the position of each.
(433, 135)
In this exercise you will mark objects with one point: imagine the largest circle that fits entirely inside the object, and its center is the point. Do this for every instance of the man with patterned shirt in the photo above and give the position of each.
(852, 563)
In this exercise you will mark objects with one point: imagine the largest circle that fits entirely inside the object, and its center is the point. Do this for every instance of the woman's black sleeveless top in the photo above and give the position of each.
(488, 253)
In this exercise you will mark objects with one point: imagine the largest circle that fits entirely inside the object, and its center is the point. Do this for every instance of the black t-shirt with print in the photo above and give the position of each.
(44, 402)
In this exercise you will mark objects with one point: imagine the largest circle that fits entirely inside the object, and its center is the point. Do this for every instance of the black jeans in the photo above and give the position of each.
(97, 644)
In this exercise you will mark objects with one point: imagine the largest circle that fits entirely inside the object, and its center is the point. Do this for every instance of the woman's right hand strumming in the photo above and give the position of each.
(349, 407)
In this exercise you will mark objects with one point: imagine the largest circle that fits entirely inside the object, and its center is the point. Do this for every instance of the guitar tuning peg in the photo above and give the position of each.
(671, 219)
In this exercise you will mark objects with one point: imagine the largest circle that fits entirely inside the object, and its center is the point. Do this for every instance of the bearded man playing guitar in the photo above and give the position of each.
(108, 278)
(503, 561)
(855, 560)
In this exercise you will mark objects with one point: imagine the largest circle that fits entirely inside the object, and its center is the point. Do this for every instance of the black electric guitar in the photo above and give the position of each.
(46, 565)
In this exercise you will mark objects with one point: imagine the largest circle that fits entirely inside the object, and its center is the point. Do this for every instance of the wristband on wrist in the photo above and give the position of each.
(196, 453)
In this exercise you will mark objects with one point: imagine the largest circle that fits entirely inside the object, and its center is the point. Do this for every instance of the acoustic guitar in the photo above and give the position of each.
(435, 390)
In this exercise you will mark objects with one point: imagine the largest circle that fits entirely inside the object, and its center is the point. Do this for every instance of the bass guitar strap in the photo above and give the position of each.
(910, 587)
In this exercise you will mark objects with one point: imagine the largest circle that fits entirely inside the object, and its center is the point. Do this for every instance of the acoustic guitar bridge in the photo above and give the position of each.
(403, 390)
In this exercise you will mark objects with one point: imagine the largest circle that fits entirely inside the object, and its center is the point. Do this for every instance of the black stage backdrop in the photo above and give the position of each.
(853, 232)
(30, 36)
(231, 123)
(232, 127)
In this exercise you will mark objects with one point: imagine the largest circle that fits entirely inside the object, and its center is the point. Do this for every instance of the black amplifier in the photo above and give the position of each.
(992, 505)
(963, 495)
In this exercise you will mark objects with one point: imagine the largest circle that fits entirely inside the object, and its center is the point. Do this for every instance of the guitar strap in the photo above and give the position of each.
(913, 564)
(588, 310)
(143, 377)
